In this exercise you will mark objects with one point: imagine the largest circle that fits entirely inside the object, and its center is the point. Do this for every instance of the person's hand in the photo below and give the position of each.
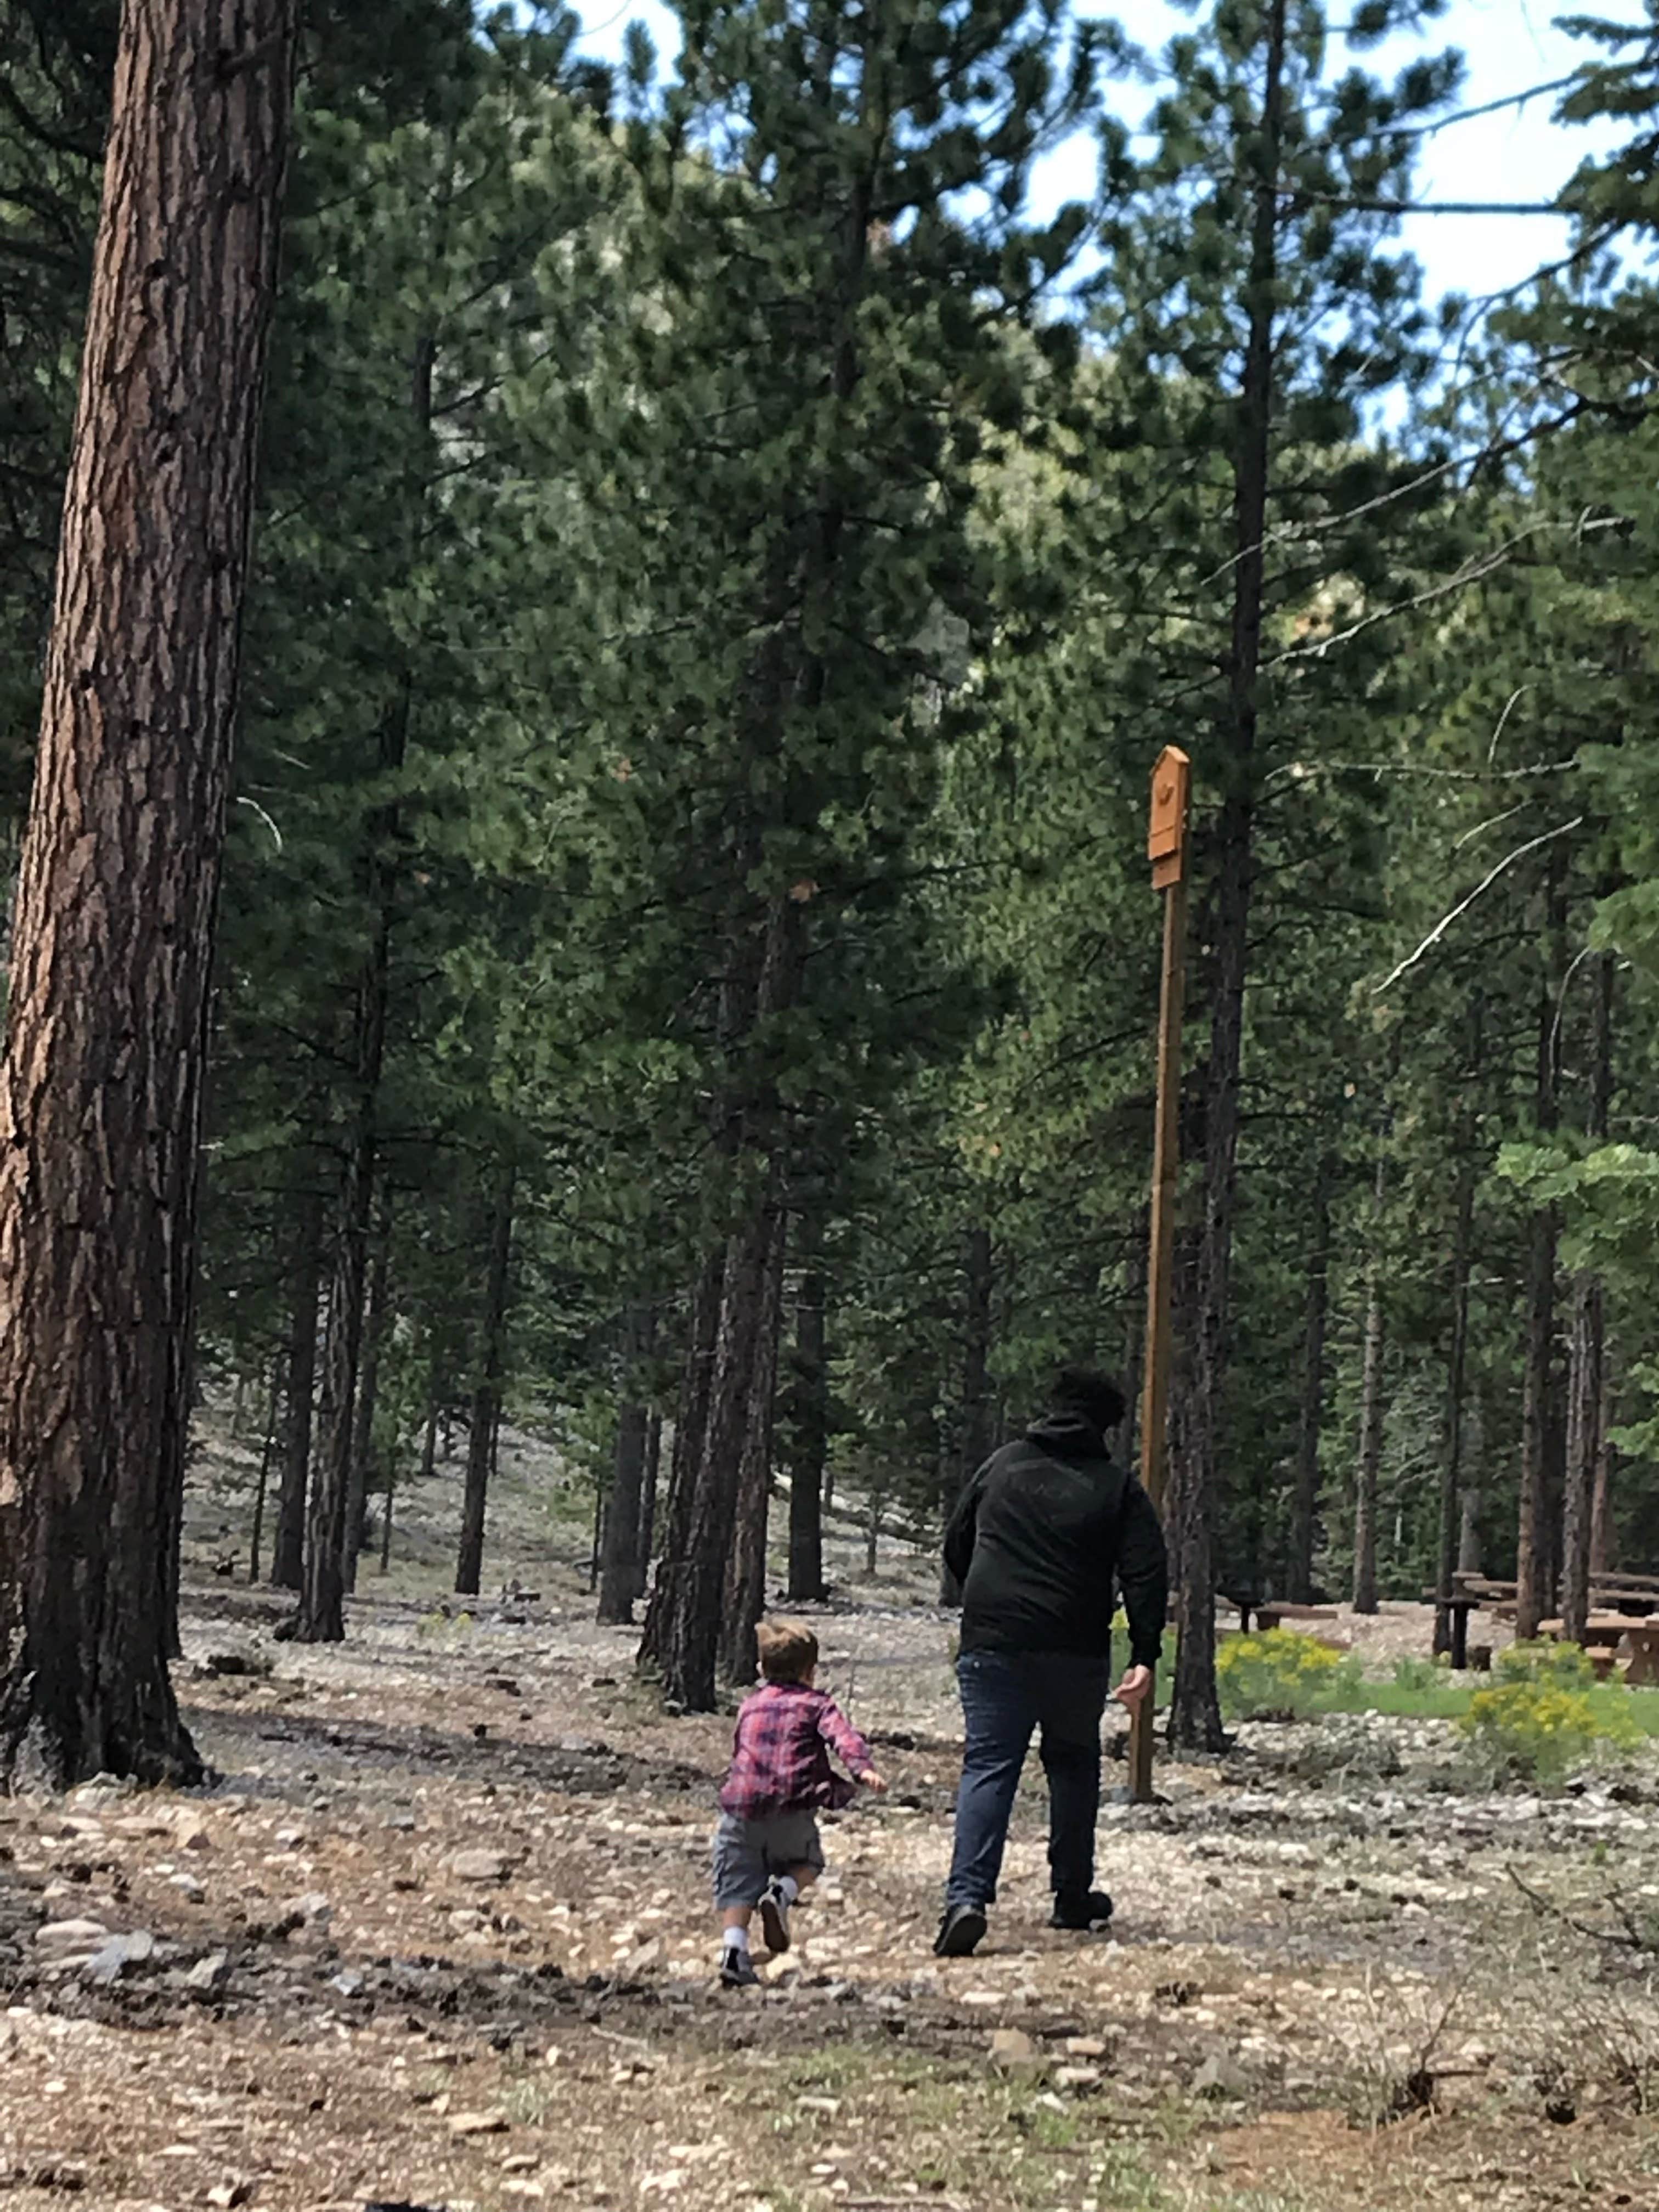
(872, 1780)
(1135, 1685)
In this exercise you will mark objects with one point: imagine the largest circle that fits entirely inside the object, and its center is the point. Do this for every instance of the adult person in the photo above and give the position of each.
(1036, 1542)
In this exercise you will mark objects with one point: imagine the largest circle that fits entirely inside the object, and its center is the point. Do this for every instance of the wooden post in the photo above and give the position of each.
(1166, 848)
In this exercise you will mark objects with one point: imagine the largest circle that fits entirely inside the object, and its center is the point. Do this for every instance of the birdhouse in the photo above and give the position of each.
(1166, 839)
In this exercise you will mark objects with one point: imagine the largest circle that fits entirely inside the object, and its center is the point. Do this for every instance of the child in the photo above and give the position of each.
(767, 1849)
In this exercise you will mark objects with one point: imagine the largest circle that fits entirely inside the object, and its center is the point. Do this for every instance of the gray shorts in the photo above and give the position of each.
(748, 1853)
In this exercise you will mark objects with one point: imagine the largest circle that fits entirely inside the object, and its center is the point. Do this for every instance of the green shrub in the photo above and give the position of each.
(1418, 1676)
(1279, 1671)
(1538, 1731)
(1554, 1666)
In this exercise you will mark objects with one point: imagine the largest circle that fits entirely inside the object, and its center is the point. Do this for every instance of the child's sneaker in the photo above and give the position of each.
(738, 1969)
(774, 1917)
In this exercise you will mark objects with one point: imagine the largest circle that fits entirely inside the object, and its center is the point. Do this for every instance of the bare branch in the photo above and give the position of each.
(1463, 905)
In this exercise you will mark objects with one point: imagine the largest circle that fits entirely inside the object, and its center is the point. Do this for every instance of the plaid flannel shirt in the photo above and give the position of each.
(780, 1752)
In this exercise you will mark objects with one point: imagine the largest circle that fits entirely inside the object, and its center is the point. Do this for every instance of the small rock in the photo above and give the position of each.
(1084, 2046)
(68, 1939)
(109, 1964)
(188, 1887)
(1218, 2077)
(478, 1866)
(1078, 2077)
(210, 1973)
(310, 1911)
(347, 1984)
(477, 2124)
(1013, 2051)
(196, 1839)
(648, 1955)
(227, 2194)
(521, 2162)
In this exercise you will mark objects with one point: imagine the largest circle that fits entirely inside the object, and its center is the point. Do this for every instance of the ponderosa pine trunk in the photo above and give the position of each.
(115, 908)
(288, 1548)
(809, 1436)
(648, 1504)
(1602, 1506)
(486, 1389)
(973, 1448)
(1194, 1705)
(368, 1391)
(1316, 1317)
(745, 1578)
(1532, 1547)
(1451, 1450)
(1372, 1409)
(619, 1551)
(1585, 1391)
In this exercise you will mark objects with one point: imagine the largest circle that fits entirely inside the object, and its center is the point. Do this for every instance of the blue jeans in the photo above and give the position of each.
(1005, 1697)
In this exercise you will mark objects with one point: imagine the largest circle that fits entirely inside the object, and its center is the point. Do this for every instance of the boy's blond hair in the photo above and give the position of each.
(788, 1650)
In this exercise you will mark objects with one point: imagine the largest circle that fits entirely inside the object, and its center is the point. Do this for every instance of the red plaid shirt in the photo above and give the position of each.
(780, 1752)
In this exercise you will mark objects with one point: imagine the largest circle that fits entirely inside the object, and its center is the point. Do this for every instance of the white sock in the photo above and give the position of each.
(788, 1888)
(736, 1939)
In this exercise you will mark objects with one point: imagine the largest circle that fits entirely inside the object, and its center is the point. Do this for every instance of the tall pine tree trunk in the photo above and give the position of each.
(1194, 1707)
(289, 1550)
(1316, 1315)
(809, 1432)
(1602, 1506)
(1451, 1450)
(746, 1579)
(619, 1555)
(368, 1391)
(267, 1450)
(1372, 1408)
(978, 1282)
(101, 1095)
(1533, 1592)
(486, 1389)
(1585, 1390)
(648, 1504)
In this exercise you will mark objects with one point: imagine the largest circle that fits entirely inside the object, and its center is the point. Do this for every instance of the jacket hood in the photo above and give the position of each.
(1069, 1435)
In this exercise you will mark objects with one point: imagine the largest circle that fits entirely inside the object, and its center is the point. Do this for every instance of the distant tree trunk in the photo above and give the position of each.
(273, 1402)
(648, 1503)
(1451, 1455)
(872, 1531)
(1370, 1409)
(978, 1282)
(1585, 1383)
(1187, 1517)
(114, 911)
(386, 1526)
(1468, 1533)
(745, 1578)
(1601, 1509)
(289, 1550)
(1124, 1444)
(810, 1436)
(619, 1551)
(1533, 1591)
(487, 1390)
(433, 1406)
(368, 1391)
(1315, 1312)
(1194, 1706)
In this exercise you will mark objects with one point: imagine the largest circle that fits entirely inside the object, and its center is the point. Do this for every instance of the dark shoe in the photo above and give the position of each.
(961, 1932)
(738, 1970)
(775, 1919)
(1091, 1910)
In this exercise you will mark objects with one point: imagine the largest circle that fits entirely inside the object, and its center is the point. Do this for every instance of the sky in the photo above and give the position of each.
(1520, 154)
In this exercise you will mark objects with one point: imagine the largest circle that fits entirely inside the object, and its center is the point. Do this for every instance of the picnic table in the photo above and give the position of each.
(1605, 1632)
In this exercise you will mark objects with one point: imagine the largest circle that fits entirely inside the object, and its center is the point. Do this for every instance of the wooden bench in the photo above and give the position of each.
(1603, 1633)
(1276, 1612)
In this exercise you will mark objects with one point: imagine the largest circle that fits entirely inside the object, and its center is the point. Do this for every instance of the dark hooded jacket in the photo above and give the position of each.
(1038, 1537)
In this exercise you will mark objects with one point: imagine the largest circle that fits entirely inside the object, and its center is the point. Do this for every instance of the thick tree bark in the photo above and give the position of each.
(101, 1095)
(486, 1389)
(1533, 1592)
(1316, 1315)
(746, 1577)
(619, 1551)
(978, 1282)
(267, 1451)
(368, 1391)
(648, 1504)
(1451, 1450)
(1585, 1389)
(1194, 1707)
(682, 1627)
(289, 1550)
(1601, 1554)
(1372, 1409)
(809, 1439)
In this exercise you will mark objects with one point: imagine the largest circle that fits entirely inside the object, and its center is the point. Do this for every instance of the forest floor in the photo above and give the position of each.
(439, 1937)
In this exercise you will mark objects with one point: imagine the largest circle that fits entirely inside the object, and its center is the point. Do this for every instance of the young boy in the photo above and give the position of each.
(767, 1849)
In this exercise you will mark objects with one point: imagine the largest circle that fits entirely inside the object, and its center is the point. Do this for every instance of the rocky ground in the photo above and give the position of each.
(439, 1937)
